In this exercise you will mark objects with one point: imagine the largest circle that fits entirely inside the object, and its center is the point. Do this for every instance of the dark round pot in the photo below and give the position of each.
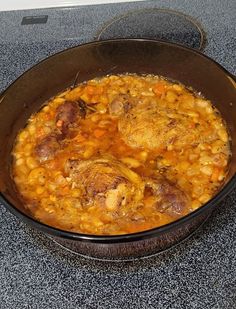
(46, 79)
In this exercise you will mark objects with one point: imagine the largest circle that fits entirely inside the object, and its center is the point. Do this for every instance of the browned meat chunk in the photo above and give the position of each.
(82, 108)
(120, 105)
(67, 113)
(149, 126)
(169, 198)
(106, 182)
(47, 147)
(109, 183)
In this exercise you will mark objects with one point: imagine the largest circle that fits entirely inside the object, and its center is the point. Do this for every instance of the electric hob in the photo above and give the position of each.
(198, 273)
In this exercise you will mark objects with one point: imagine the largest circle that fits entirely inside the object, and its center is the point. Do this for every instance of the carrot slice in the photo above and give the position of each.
(79, 138)
(215, 174)
(99, 133)
(65, 190)
(90, 89)
(159, 88)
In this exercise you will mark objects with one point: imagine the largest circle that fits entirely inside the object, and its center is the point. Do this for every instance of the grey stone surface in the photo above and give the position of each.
(35, 273)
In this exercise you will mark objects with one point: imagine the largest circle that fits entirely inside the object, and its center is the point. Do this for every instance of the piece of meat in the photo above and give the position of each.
(120, 105)
(82, 108)
(106, 182)
(169, 198)
(95, 176)
(67, 114)
(47, 147)
(109, 183)
(151, 126)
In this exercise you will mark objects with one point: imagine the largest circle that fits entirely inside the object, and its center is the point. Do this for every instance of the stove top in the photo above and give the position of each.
(199, 273)
(153, 23)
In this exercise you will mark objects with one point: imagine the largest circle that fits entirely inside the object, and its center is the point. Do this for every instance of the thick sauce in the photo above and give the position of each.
(120, 154)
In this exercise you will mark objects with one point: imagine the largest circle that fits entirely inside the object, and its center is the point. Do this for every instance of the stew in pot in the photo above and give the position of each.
(120, 154)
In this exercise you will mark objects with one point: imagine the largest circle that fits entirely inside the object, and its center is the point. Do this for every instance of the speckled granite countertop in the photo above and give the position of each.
(35, 273)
